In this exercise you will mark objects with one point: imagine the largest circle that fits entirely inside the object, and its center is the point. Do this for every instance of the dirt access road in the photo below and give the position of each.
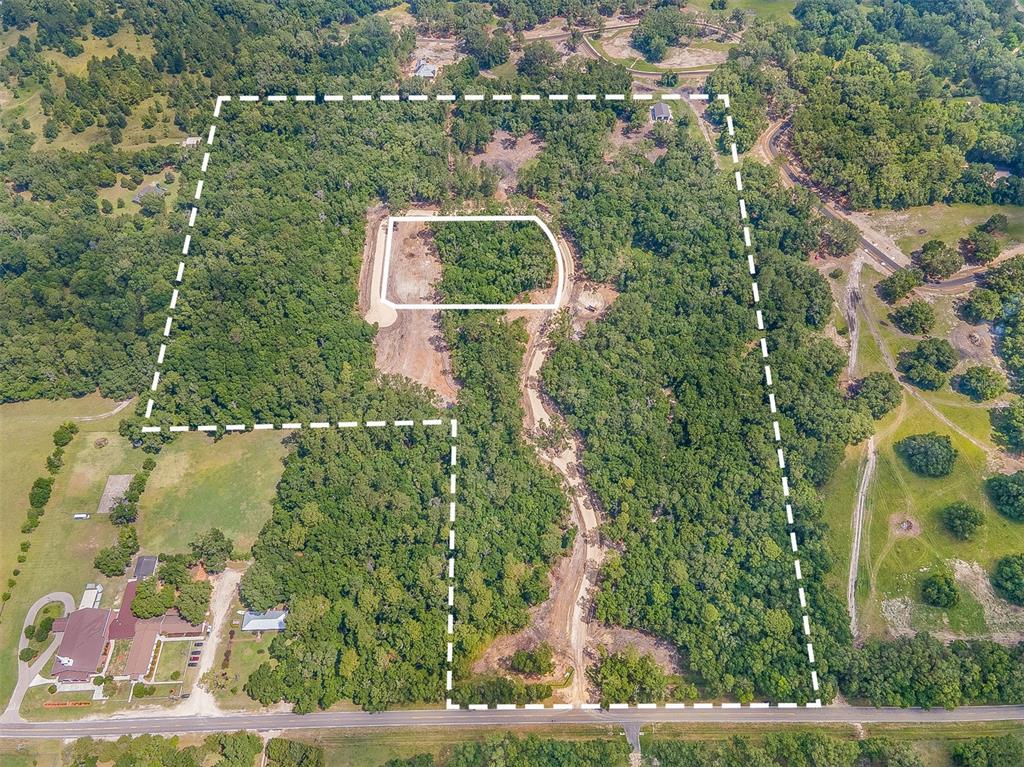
(409, 343)
(561, 620)
(772, 148)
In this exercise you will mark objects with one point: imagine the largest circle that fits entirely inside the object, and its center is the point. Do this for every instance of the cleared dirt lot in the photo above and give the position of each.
(507, 154)
(622, 138)
(437, 51)
(616, 44)
(412, 346)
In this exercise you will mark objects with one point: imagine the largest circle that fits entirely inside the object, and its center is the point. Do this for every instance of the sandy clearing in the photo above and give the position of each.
(438, 51)
(409, 343)
(621, 139)
(974, 344)
(616, 44)
(616, 639)
(507, 154)
(1003, 619)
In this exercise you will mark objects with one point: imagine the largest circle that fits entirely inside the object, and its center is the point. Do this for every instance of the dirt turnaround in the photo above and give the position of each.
(408, 343)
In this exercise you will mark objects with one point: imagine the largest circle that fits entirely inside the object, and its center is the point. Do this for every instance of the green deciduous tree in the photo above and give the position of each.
(931, 455)
(879, 393)
(193, 600)
(151, 599)
(981, 382)
(915, 318)
(899, 284)
(937, 260)
(1008, 578)
(962, 520)
(1007, 494)
(940, 590)
(213, 549)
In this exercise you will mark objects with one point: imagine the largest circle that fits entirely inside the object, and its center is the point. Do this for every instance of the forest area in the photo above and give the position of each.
(664, 390)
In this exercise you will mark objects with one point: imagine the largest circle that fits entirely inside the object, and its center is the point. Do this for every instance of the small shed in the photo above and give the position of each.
(425, 69)
(145, 566)
(661, 113)
(191, 141)
(271, 620)
(148, 189)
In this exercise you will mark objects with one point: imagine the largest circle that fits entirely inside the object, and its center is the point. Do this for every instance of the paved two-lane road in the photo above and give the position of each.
(441, 719)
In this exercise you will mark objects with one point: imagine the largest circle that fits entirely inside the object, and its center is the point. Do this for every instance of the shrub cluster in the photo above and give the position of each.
(126, 510)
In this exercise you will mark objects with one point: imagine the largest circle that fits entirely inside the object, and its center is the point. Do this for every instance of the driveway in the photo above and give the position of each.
(26, 672)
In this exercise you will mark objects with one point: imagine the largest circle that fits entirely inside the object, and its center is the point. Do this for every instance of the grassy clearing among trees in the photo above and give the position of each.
(199, 482)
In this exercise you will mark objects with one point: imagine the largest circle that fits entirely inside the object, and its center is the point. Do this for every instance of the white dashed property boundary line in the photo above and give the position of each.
(755, 292)
(180, 272)
(291, 425)
(334, 98)
(453, 463)
(769, 384)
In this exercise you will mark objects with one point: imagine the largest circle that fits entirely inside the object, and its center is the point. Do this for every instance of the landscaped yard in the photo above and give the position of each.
(173, 659)
(200, 483)
(248, 651)
(119, 192)
(118, 657)
(52, 610)
(62, 549)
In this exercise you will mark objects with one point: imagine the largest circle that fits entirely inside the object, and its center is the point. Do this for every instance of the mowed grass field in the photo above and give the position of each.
(893, 560)
(912, 227)
(199, 483)
(30, 753)
(899, 559)
(248, 651)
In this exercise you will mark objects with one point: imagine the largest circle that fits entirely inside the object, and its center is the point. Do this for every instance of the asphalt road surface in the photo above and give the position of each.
(437, 718)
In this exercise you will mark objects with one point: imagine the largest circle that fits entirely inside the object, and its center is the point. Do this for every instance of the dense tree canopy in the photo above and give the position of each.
(665, 390)
(931, 455)
(492, 263)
